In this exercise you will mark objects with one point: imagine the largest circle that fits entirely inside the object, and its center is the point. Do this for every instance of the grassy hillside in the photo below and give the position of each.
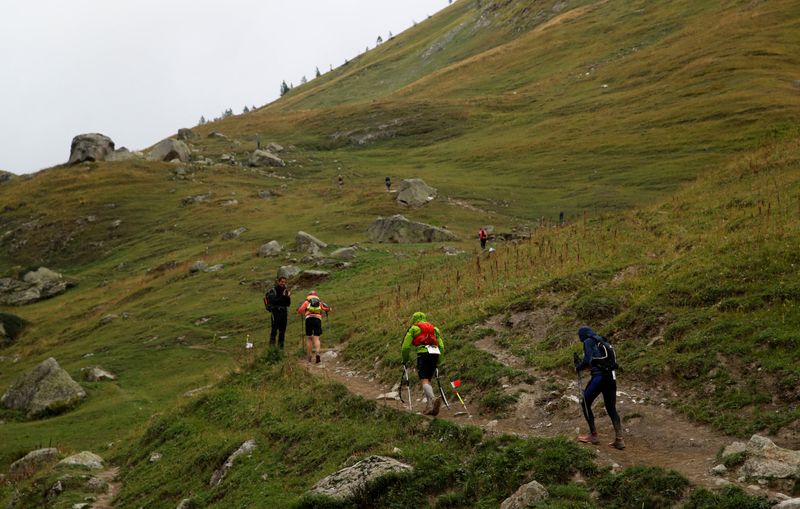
(680, 184)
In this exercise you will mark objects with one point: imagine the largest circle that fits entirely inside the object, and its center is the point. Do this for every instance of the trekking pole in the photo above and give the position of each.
(455, 385)
(408, 388)
(441, 391)
(581, 401)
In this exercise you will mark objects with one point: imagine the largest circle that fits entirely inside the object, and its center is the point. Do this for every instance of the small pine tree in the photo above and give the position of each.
(202, 120)
(390, 34)
(379, 41)
(245, 109)
(303, 80)
(318, 74)
(284, 88)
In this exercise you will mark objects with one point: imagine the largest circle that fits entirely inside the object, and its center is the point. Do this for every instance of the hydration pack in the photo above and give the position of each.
(427, 335)
(314, 306)
(607, 357)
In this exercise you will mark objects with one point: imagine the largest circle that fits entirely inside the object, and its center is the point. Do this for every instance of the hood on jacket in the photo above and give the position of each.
(419, 316)
(586, 332)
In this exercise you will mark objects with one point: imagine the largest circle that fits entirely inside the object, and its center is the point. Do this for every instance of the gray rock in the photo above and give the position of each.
(311, 277)
(186, 134)
(198, 266)
(81, 505)
(5, 176)
(155, 457)
(234, 233)
(342, 484)
(34, 286)
(765, 460)
(90, 147)
(288, 271)
(227, 158)
(198, 198)
(391, 395)
(108, 319)
(167, 150)
(275, 148)
(45, 389)
(398, 229)
(115, 223)
(97, 374)
(265, 194)
(123, 154)
(415, 192)
(719, 469)
(271, 248)
(525, 495)
(31, 463)
(345, 253)
(233, 202)
(217, 135)
(186, 503)
(306, 242)
(246, 448)
(266, 158)
(85, 459)
(792, 503)
(214, 268)
(734, 448)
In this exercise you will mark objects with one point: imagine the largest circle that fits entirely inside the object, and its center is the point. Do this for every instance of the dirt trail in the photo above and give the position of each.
(105, 501)
(654, 435)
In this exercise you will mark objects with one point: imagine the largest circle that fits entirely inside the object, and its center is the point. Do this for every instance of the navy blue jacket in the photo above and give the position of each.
(590, 351)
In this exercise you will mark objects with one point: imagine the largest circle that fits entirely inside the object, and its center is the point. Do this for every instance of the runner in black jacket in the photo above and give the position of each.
(277, 301)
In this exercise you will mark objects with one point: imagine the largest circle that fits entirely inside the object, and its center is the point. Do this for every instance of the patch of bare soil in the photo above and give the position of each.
(106, 500)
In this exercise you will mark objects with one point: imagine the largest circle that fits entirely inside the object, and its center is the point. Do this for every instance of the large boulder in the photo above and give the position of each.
(85, 459)
(271, 248)
(415, 192)
(309, 278)
(266, 158)
(167, 150)
(90, 147)
(45, 389)
(765, 460)
(398, 229)
(35, 285)
(288, 271)
(97, 374)
(306, 242)
(234, 233)
(525, 495)
(31, 463)
(123, 154)
(345, 253)
(246, 448)
(186, 134)
(5, 176)
(342, 484)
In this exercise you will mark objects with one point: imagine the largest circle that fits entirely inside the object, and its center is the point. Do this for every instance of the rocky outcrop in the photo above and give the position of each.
(266, 158)
(275, 147)
(85, 459)
(45, 389)
(342, 484)
(288, 271)
(398, 229)
(167, 150)
(36, 285)
(415, 192)
(90, 147)
(97, 374)
(525, 495)
(5, 176)
(309, 278)
(308, 243)
(31, 463)
(123, 154)
(11, 326)
(765, 460)
(198, 266)
(271, 248)
(186, 134)
(219, 474)
(345, 253)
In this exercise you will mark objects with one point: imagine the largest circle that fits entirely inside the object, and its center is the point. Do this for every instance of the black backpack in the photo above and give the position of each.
(607, 360)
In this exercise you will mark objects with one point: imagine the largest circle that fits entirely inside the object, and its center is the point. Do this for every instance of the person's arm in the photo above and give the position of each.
(440, 341)
(406, 350)
(302, 308)
(326, 308)
(586, 363)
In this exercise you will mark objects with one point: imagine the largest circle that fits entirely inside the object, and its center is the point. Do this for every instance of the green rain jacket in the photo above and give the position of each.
(413, 331)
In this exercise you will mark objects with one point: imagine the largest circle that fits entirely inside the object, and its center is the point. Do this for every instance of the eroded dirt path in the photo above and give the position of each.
(105, 501)
(655, 435)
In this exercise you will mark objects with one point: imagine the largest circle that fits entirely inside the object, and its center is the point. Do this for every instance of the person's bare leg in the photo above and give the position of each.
(308, 347)
(317, 346)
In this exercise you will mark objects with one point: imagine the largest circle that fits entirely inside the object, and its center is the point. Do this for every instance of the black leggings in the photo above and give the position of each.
(606, 385)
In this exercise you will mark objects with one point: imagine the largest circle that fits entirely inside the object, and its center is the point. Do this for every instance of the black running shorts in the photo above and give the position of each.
(313, 326)
(426, 365)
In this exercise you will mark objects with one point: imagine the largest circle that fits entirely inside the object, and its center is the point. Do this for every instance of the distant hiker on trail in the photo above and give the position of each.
(340, 181)
(388, 182)
(277, 302)
(430, 351)
(311, 309)
(482, 235)
(599, 356)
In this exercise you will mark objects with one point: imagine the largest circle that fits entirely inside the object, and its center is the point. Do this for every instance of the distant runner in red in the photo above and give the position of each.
(483, 236)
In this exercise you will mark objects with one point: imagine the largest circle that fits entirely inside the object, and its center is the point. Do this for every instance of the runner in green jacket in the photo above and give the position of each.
(427, 341)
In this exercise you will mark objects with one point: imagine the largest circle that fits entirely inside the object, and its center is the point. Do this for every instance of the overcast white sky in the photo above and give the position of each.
(137, 70)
